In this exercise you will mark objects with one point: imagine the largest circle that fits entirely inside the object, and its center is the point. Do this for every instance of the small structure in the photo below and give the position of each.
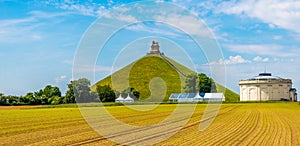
(154, 48)
(214, 97)
(120, 99)
(196, 97)
(128, 99)
(267, 87)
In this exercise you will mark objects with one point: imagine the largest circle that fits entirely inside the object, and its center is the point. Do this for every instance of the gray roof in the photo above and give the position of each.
(264, 76)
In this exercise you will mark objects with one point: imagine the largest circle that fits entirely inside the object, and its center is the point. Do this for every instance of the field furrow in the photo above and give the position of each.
(235, 124)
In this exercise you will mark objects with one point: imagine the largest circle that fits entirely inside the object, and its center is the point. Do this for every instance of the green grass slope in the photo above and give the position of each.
(230, 96)
(141, 73)
(183, 68)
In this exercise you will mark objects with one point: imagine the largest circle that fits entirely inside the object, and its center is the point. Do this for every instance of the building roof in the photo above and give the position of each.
(120, 98)
(264, 76)
(128, 98)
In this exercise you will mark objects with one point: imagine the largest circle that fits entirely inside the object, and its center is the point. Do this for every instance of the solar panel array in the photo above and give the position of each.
(190, 97)
(183, 95)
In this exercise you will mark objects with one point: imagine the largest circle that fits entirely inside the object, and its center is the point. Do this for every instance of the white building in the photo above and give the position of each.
(128, 99)
(119, 99)
(196, 97)
(267, 87)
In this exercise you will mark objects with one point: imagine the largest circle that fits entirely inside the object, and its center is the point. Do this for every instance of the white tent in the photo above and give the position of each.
(198, 97)
(120, 99)
(128, 99)
(214, 96)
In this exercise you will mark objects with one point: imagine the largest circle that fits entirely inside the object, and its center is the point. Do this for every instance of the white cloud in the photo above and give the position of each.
(60, 78)
(25, 29)
(41, 14)
(277, 13)
(265, 49)
(125, 18)
(19, 30)
(232, 60)
(277, 37)
(296, 37)
(154, 30)
(236, 60)
(87, 9)
(260, 59)
(68, 61)
(10, 22)
(119, 13)
(272, 26)
(159, 1)
(192, 25)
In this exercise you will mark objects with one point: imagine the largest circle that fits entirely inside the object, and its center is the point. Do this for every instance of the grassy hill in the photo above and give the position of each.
(184, 69)
(230, 96)
(141, 73)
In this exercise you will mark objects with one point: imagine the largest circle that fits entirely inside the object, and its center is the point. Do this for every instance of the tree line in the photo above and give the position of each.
(194, 83)
(78, 91)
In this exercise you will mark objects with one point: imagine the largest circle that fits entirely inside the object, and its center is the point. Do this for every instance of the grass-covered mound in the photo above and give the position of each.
(141, 73)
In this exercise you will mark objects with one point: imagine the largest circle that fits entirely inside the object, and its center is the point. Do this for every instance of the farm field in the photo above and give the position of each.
(236, 124)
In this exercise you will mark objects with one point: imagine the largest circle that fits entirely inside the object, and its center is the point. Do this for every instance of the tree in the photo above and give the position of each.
(191, 83)
(69, 97)
(199, 83)
(105, 93)
(13, 100)
(136, 94)
(39, 95)
(3, 99)
(81, 90)
(44, 99)
(50, 91)
(43, 96)
(30, 99)
(94, 96)
(204, 83)
(54, 100)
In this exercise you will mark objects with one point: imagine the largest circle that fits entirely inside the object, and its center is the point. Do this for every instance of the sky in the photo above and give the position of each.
(45, 42)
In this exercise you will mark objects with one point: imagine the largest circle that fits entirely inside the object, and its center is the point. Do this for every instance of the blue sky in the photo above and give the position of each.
(38, 40)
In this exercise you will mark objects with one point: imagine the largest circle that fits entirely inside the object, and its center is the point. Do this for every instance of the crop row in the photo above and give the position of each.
(235, 124)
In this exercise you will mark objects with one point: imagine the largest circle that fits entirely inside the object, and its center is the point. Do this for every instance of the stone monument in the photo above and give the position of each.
(154, 48)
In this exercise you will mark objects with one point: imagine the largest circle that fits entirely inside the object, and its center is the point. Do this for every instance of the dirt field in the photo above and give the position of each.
(18, 107)
(236, 124)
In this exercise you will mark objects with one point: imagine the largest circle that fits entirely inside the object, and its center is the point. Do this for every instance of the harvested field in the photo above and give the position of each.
(236, 124)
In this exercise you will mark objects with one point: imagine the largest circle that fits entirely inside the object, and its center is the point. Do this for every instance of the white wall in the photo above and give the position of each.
(263, 92)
